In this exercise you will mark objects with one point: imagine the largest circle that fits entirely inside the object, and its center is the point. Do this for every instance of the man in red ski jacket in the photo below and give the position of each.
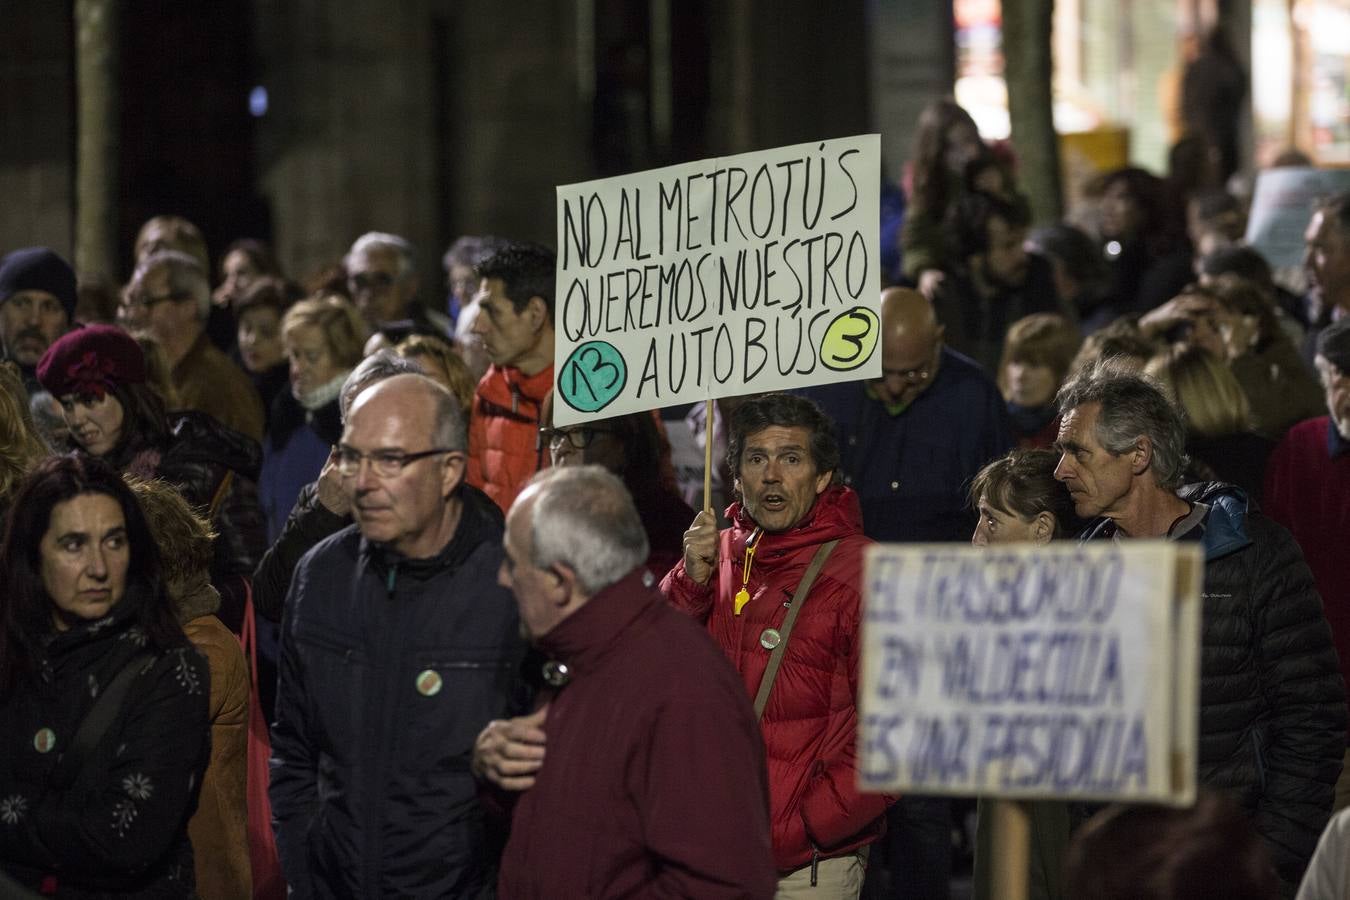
(741, 581)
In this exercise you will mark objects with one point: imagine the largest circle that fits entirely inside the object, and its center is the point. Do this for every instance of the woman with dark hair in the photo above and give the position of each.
(1081, 277)
(245, 262)
(1143, 239)
(260, 350)
(98, 374)
(103, 702)
(1019, 500)
(633, 448)
(945, 143)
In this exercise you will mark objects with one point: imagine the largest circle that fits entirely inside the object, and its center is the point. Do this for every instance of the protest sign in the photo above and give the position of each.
(1282, 207)
(1032, 671)
(750, 273)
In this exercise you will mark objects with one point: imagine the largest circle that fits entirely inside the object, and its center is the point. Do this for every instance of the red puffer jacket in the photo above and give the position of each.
(810, 723)
(504, 448)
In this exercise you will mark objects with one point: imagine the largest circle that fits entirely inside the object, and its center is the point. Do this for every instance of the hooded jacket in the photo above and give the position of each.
(810, 723)
(1272, 702)
(219, 828)
(389, 669)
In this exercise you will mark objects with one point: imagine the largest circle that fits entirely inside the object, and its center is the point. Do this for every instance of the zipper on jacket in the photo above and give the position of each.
(815, 861)
(1260, 762)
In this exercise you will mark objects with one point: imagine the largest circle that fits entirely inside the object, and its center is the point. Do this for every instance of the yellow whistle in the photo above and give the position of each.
(742, 598)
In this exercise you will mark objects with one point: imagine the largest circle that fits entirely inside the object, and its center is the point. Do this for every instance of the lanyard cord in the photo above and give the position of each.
(743, 595)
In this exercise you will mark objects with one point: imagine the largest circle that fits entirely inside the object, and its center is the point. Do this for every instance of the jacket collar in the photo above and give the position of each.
(586, 637)
(1223, 530)
(1336, 445)
(477, 525)
(837, 513)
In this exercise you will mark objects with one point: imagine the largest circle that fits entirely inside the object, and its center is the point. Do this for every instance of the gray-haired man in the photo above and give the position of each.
(1272, 702)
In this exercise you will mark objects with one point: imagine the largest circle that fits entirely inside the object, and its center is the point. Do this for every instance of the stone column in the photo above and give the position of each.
(96, 179)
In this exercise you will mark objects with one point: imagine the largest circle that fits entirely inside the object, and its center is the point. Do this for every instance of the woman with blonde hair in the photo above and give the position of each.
(1037, 354)
(324, 337)
(21, 448)
(1219, 435)
(442, 364)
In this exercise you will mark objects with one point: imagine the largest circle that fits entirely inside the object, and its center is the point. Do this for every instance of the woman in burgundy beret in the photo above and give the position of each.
(98, 373)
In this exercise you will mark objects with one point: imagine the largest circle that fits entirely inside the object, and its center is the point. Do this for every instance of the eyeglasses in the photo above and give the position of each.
(370, 281)
(580, 437)
(129, 302)
(385, 463)
(912, 376)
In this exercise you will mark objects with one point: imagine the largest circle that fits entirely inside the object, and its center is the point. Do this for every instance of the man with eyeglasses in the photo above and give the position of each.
(169, 298)
(910, 442)
(37, 306)
(382, 281)
(912, 439)
(397, 648)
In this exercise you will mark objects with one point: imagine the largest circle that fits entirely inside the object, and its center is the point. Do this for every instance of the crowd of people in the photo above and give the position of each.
(497, 655)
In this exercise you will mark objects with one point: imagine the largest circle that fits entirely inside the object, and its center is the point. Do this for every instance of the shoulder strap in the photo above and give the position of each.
(776, 658)
(96, 722)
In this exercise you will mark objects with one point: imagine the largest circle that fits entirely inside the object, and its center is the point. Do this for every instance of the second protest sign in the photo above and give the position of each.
(1032, 671)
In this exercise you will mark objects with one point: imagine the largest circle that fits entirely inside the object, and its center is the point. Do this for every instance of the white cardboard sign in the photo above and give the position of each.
(1066, 670)
(743, 274)
(1282, 206)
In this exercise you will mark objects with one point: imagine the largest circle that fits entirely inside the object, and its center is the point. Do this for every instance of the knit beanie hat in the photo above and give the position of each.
(91, 361)
(38, 269)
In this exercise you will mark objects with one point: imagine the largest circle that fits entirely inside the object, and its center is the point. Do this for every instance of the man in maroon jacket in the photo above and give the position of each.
(653, 781)
(740, 584)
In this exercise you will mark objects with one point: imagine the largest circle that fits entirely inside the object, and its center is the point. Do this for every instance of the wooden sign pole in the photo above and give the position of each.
(1012, 847)
(709, 438)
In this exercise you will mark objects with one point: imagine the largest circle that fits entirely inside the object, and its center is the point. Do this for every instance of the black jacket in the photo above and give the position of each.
(309, 522)
(1272, 701)
(389, 669)
(121, 828)
(214, 468)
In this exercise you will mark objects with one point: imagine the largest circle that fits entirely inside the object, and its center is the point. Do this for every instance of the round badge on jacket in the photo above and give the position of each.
(429, 683)
(770, 638)
(44, 740)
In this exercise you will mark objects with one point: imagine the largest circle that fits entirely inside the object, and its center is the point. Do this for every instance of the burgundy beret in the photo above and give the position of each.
(91, 361)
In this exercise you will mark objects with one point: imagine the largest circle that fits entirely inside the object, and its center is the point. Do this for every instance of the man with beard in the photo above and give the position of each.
(999, 281)
(37, 305)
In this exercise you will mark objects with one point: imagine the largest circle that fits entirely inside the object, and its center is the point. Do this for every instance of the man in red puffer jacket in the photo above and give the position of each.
(741, 581)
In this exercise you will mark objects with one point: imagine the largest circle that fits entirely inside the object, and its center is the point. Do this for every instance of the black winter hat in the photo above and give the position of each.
(38, 269)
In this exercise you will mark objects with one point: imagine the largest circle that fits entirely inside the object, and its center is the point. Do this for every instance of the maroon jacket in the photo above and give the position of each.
(810, 724)
(653, 782)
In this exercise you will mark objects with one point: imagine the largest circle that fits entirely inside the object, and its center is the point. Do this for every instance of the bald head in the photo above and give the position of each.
(418, 399)
(910, 340)
(907, 312)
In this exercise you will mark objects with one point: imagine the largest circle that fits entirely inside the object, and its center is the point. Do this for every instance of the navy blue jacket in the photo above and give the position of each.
(912, 471)
(389, 669)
